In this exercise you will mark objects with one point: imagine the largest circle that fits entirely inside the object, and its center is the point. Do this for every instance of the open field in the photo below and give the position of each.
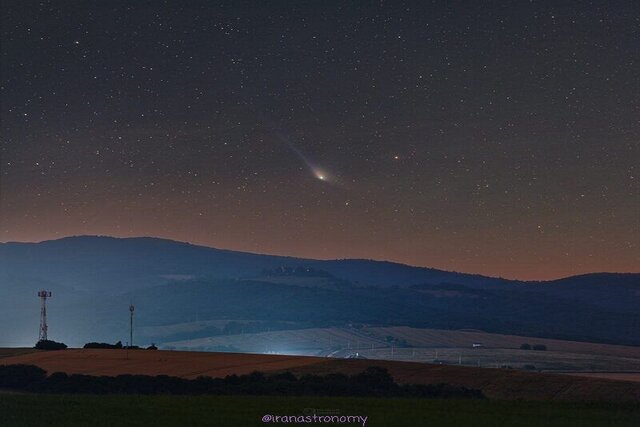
(418, 337)
(547, 361)
(320, 339)
(430, 345)
(175, 363)
(620, 376)
(65, 410)
(495, 383)
(8, 352)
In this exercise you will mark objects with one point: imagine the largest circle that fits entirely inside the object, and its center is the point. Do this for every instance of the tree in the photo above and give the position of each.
(525, 346)
(20, 376)
(50, 345)
(103, 345)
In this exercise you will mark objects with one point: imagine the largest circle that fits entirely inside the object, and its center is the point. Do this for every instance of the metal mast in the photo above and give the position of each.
(131, 309)
(42, 336)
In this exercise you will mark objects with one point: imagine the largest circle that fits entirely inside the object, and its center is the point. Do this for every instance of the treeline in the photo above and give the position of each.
(49, 345)
(116, 346)
(285, 271)
(373, 381)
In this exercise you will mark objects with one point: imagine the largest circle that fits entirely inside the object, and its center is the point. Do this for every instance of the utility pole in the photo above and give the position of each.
(131, 309)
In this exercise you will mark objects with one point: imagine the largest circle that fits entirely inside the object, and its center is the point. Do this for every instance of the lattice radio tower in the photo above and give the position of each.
(43, 314)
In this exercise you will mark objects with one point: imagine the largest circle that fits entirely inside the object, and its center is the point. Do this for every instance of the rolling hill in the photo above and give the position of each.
(95, 278)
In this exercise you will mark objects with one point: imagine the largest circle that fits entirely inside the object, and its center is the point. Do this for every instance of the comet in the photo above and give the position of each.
(317, 172)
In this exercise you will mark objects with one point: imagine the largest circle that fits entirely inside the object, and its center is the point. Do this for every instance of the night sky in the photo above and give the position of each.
(496, 137)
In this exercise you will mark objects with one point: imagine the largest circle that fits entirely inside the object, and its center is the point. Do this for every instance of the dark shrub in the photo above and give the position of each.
(375, 380)
(540, 347)
(525, 346)
(372, 382)
(50, 345)
(21, 376)
(103, 345)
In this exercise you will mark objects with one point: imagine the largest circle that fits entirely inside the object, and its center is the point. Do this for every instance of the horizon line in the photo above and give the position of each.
(311, 259)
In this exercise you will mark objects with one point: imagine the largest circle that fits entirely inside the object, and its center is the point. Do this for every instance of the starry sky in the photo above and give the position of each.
(495, 137)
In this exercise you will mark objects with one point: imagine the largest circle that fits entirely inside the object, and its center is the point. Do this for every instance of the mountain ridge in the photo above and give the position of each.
(166, 241)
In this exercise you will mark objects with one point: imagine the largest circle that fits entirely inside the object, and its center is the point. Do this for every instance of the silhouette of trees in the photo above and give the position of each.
(103, 345)
(19, 376)
(50, 345)
(374, 381)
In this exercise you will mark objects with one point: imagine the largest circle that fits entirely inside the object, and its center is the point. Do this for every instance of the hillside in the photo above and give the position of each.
(430, 346)
(94, 279)
(113, 264)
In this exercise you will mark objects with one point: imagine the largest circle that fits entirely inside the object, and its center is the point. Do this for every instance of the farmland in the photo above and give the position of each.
(465, 338)
(8, 352)
(174, 363)
(495, 383)
(430, 345)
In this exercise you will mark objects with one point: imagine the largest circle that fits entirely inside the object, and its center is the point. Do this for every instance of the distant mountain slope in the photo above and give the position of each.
(116, 265)
(385, 273)
(513, 311)
(615, 291)
(112, 264)
(87, 262)
(92, 276)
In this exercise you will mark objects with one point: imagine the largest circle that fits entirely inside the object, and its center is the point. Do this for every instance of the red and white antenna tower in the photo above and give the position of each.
(43, 314)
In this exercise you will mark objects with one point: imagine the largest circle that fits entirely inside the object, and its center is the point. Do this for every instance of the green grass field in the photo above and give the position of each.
(63, 410)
